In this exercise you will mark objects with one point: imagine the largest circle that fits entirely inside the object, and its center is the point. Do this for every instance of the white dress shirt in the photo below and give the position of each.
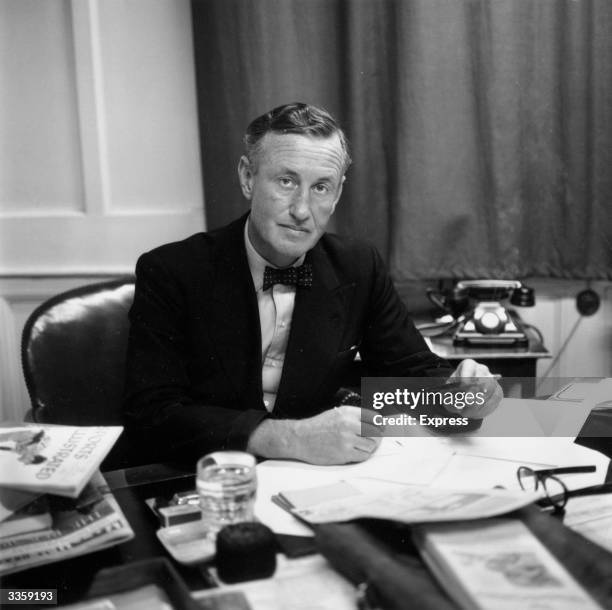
(275, 314)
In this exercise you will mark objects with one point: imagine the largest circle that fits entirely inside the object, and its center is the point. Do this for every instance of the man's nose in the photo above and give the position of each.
(300, 205)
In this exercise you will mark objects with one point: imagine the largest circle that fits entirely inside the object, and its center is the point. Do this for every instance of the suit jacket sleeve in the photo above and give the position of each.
(160, 404)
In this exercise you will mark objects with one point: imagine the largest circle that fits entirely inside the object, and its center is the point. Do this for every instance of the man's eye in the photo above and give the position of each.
(321, 189)
(286, 182)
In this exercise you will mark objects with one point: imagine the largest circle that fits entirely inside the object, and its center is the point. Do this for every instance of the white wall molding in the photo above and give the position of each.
(21, 289)
(89, 79)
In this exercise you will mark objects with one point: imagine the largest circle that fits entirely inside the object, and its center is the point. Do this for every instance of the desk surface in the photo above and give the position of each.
(590, 564)
(443, 346)
(132, 486)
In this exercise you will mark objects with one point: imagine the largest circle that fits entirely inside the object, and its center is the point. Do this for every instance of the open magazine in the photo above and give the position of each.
(345, 501)
(91, 522)
(53, 459)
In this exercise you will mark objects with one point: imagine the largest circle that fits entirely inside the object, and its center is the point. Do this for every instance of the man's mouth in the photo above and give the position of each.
(295, 228)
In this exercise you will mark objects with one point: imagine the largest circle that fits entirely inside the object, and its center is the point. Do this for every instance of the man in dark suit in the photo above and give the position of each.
(221, 357)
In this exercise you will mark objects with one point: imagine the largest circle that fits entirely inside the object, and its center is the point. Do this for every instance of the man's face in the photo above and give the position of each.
(293, 185)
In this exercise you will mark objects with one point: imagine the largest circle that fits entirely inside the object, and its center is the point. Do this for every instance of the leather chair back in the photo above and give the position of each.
(73, 354)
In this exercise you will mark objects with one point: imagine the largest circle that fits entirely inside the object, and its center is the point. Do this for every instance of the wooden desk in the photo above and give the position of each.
(72, 578)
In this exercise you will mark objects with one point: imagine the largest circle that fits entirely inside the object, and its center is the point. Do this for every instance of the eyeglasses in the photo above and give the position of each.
(555, 490)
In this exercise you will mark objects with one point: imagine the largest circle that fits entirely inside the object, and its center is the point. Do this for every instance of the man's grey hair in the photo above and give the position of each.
(297, 118)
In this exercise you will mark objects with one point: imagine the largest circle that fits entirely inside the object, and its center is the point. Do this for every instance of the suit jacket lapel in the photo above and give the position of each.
(316, 331)
(236, 330)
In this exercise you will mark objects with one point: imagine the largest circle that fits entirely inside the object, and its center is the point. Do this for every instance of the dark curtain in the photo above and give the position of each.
(481, 130)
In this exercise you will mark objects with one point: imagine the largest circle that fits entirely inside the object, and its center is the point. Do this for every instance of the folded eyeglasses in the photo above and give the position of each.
(556, 493)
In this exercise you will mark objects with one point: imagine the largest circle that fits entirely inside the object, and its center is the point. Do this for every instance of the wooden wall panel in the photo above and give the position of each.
(99, 134)
(40, 168)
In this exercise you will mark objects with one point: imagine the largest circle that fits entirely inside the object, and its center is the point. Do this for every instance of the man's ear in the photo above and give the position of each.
(339, 194)
(245, 176)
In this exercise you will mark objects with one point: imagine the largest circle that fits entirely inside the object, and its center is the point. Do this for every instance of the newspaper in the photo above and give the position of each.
(33, 516)
(52, 459)
(405, 503)
(92, 522)
(498, 565)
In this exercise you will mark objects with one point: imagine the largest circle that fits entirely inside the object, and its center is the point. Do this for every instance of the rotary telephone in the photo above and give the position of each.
(480, 317)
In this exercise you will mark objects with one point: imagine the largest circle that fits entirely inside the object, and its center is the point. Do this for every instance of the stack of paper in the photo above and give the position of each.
(90, 523)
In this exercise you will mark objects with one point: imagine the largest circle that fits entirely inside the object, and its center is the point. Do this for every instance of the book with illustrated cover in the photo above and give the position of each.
(91, 522)
(53, 459)
(498, 564)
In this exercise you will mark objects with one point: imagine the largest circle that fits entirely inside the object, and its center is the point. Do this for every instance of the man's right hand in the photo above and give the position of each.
(337, 436)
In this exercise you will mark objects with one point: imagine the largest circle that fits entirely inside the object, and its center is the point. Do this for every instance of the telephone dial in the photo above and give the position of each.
(480, 317)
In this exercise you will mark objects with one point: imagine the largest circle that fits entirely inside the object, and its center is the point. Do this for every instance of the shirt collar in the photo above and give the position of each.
(258, 263)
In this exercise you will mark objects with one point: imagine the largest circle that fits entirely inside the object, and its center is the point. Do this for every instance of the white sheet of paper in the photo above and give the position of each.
(464, 471)
(534, 452)
(414, 461)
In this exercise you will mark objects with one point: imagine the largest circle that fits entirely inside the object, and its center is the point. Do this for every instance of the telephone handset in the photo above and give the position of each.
(496, 290)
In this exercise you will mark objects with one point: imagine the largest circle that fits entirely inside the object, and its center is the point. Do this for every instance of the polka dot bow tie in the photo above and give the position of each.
(292, 276)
